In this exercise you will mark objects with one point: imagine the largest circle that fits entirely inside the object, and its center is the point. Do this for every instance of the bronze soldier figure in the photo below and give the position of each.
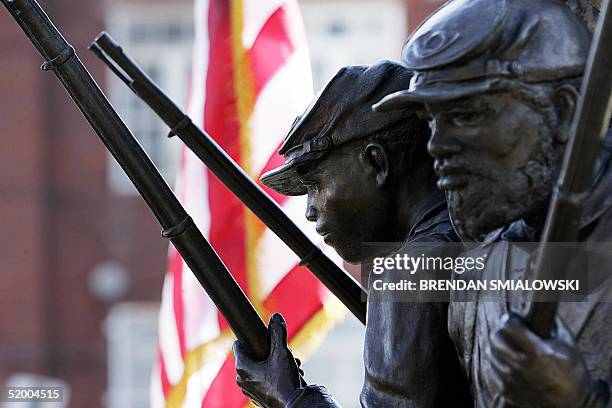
(500, 79)
(368, 178)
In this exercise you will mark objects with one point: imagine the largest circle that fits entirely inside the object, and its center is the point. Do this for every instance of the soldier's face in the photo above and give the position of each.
(495, 158)
(346, 203)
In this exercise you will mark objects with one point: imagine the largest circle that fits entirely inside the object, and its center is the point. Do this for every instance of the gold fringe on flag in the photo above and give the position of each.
(244, 90)
(195, 360)
(309, 338)
(303, 344)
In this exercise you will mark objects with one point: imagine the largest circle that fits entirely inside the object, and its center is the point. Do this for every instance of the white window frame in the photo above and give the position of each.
(381, 23)
(171, 59)
(131, 333)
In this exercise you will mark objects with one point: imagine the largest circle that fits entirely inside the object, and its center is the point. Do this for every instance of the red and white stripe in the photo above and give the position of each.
(251, 77)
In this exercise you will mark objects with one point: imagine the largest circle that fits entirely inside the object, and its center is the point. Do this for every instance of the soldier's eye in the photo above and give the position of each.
(467, 118)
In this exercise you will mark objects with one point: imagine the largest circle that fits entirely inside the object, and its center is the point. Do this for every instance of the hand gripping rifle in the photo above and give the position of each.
(586, 138)
(177, 226)
(210, 153)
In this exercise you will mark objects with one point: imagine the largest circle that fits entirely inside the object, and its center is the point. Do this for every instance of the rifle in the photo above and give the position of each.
(229, 173)
(177, 226)
(586, 138)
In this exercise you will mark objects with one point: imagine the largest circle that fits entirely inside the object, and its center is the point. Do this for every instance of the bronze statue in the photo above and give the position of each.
(500, 80)
(368, 178)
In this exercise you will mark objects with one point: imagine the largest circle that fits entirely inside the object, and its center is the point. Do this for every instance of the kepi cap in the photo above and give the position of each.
(471, 46)
(342, 112)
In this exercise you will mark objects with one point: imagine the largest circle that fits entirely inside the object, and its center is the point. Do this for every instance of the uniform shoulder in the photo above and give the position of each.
(434, 226)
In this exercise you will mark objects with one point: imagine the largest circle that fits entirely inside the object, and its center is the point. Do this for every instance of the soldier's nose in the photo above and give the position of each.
(311, 213)
(441, 146)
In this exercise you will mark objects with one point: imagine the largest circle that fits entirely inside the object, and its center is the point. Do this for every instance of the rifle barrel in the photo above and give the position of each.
(340, 283)
(586, 138)
(177, 226)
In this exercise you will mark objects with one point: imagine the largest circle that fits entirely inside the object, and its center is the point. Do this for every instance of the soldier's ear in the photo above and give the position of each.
(566, 102)
(376, 161)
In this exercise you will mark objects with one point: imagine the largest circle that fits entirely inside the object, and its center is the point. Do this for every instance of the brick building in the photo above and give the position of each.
(76, 241)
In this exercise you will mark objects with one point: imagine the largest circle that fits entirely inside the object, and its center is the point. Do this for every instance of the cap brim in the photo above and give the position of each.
(285, 180)
(439, 92)
(394, 101)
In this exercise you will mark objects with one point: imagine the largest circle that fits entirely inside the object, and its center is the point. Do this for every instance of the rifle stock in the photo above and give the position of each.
(177, 226)
(340, 283)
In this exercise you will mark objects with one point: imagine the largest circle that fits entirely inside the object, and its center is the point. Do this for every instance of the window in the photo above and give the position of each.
(352, 32)
(131, 331)
(160, 39)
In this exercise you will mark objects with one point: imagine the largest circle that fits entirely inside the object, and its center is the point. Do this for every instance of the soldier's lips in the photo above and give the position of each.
(327, 238)
(326, 235)
(451, 175)
(453, 181)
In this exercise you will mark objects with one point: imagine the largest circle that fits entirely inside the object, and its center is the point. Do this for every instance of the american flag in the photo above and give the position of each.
(251, 77)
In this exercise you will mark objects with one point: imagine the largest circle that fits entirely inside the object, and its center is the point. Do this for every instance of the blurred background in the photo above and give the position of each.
(81, 257)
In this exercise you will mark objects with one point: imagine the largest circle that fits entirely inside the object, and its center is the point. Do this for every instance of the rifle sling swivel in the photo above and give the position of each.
(61, 59)
(175, 231)
(186, 121)
(305, 261)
